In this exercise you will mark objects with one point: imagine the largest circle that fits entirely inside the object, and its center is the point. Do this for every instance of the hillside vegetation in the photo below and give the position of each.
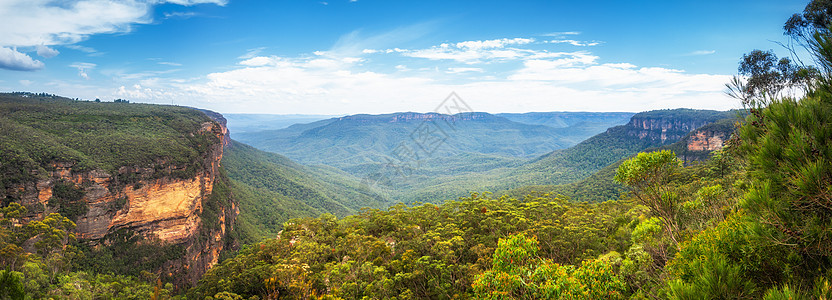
(753, 221)
(722, 227)
(38, 131)
(273, 189)
(568, 165)
(40, 244)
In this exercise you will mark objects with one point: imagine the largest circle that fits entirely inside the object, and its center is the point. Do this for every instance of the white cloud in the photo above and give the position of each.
(179, 15)
(574, 43)
(46, 52)
(562, 33)
(195, 2)
(260, 61)
(512, 75)
(490, 44)
(49, 23)
(90, 51)
(464, 70)
(467, 55)
(701, 52)
(167, 63)
(83, 67)
(25, 82)
(252, 52)
(12, 59)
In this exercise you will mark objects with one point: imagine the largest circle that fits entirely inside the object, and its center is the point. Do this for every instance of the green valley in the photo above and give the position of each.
(125, 200)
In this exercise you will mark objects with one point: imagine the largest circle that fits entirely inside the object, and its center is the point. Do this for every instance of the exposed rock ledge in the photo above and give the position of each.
(159, 206)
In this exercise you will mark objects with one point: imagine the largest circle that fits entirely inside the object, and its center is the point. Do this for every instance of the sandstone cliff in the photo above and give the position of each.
(163, 202)
(667, 126)
(698, 145)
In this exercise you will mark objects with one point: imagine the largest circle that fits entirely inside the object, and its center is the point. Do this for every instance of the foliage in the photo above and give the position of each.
(41, 133)
(10, 285)
(648, 175)
(518, 273)
(67, 198)
(788, 147)
(271, 189)
(426, 251)
(767, 78)
(48, 272)
(127, 253)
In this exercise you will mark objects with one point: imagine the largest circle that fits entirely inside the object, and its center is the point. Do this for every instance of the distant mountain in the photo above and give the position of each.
(696, 146)
(576, 126)
(358, 140)
(239, 123)
(645, 130)
(475, 152)
(273, 189)
(564, 119)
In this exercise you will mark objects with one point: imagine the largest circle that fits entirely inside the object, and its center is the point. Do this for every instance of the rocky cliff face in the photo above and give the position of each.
(698, 145)
(663, 129)
(162, 202)
(706, 140)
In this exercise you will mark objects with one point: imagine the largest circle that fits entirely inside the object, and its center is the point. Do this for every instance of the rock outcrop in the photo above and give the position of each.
(162, 202)
(706, 140)
(698, 145)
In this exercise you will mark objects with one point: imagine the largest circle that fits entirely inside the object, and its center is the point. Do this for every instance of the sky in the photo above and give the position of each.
(341, 57)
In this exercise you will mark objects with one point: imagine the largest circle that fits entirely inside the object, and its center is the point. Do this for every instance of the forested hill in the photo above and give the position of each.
(697, 147)
(134, 187)
(644, 130)
(273, 189)
(92, 190)
(351, 141)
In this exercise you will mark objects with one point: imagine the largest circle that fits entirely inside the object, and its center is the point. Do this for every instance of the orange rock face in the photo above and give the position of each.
(163, 207)
(705, 141)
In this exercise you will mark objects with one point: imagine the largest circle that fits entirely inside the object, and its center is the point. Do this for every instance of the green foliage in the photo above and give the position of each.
(48, 272)
(648, 175)
(784, 293)
(66, 197)
(127, 253)
(271, 189)
(426, 251)
(767, 77)
(11, 286)
(518, 273)
(40, 132)
(788, 146)
(716, 279)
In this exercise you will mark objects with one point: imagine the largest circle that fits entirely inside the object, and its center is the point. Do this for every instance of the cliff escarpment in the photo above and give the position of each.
(144, 173)
(668, 126)
(698, 144)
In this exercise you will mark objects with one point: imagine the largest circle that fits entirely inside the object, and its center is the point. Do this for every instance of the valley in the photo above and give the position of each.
(281, 150)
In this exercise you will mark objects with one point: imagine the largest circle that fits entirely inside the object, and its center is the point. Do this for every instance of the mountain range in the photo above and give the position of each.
(167, 186)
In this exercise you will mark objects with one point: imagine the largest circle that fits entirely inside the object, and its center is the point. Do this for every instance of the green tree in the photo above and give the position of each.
(767, 77)
(518, 273)
(649, 177)
(11, 286)
(788, 147)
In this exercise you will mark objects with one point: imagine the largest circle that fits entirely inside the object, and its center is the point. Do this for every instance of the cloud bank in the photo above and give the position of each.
(39, 24)
(499, 75)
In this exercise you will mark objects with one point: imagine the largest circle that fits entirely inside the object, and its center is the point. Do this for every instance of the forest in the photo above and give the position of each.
(751, 221)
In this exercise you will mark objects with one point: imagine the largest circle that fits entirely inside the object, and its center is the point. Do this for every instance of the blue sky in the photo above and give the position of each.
(380, 56)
